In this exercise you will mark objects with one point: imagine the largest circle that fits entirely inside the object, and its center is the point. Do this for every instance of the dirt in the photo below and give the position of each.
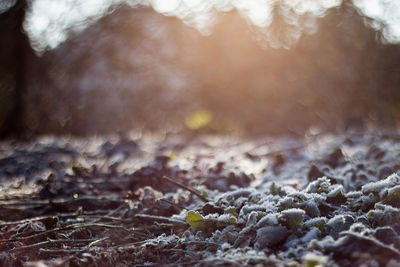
(154, 200)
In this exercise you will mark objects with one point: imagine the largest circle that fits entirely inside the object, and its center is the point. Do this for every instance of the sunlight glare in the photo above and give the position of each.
(387, 12)
(165, 6)
(191, 4)
(330, 3)
(258, 11)
(46, 22)
(47, 25)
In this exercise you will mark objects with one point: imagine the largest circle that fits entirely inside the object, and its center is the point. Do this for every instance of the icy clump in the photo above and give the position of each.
(378, 187)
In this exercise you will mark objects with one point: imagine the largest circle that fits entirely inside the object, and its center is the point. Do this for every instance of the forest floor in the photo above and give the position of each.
(323, 200)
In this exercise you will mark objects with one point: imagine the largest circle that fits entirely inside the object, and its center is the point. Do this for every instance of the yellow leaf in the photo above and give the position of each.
(173, 155)
(198, 119)
(195, 220)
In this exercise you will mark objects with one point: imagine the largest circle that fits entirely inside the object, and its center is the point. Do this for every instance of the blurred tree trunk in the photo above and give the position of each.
(15, 51)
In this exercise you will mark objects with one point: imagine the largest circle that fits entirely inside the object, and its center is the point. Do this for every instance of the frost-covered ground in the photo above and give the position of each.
(329, 200)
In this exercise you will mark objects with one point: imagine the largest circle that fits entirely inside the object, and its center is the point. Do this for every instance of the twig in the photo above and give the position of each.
(68, 251)
(58, 201)
(194, 192)
(111, 213)
(51, 242)
(127, 246)
(72, 226)
(160, 219)
(101, 217)
(60, 215)
(173, 204)
(97, 241)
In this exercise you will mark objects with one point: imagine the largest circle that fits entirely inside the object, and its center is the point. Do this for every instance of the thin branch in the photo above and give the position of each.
(172, 203)
(161, 219)
(68, 251)
(194, 192)
(101, 217)
(60, 215)
(57, 201)
(98, 241)
(72, 226)
(51, 242)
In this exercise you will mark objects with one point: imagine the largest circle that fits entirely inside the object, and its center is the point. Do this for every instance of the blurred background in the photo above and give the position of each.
(256, 67)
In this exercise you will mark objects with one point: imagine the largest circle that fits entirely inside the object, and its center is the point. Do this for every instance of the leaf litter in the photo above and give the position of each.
(204, 201)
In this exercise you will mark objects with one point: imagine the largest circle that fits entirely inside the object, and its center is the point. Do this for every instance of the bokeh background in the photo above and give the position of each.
(254, 67)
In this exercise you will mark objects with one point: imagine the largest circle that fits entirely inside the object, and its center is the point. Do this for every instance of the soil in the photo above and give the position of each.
(153, 200)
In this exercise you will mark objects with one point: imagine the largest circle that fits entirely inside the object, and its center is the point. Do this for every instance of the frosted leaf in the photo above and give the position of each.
(377, 187)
